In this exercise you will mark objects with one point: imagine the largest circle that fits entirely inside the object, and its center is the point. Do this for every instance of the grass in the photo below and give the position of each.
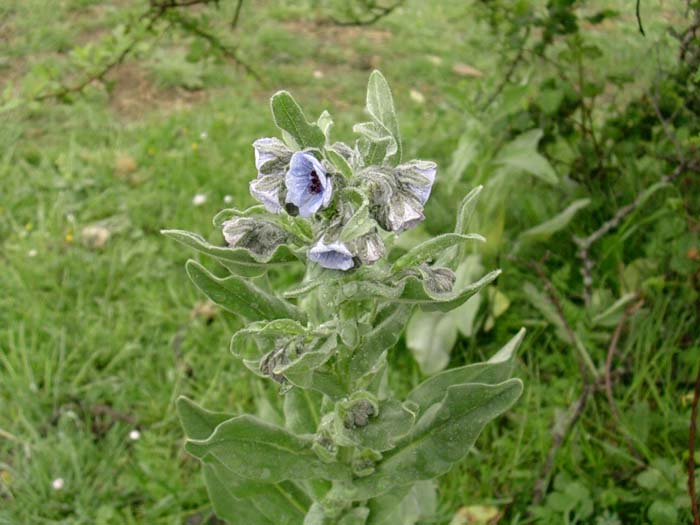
(98, 340)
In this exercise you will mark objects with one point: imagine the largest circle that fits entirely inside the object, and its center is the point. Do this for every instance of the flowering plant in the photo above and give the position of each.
(349, 452)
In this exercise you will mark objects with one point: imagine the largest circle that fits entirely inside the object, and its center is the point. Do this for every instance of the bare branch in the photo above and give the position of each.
(639, 18)
(236, 15)
(216, 43)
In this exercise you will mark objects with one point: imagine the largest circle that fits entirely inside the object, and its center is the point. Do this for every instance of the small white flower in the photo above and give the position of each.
(228, 199)
(318, 73)
(199, 199)
(32, 253)
(134, 435)
(57, 484)
(203, 135)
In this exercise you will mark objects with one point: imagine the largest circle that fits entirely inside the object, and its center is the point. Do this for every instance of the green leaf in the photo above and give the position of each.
(356, 516)
(198, 422)
(430, 336)
(380, 105)
(302, 370)
(466, 209)
(382, 337)
(227, 505)
(237, 260)
(521, 155)
(360, 223)
(662, 513)
(395, 507)
(234, 497)
(383, 431)
(290, 118)
(557, 223)
(302, 410)
(340, 163)
(496, 370)
(442, 436)
(241, 296)
(375, 144)
(415, 292)
(247, 501)
(432, 248)
(325, 122)
(253, 448)
(468, 151)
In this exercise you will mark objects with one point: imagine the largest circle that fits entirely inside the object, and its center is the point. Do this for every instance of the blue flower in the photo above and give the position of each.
(335, 255)
(308, 185)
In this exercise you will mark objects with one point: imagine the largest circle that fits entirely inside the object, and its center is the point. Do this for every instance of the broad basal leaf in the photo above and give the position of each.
(442, 436)
(255, 449)
(494, 371)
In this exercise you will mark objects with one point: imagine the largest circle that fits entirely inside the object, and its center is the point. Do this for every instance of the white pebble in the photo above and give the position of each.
(134, 435)
(57, 484)
(417, 96)
(199, 199)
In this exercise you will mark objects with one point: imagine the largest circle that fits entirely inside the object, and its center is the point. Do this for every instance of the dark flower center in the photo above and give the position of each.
(315, 183)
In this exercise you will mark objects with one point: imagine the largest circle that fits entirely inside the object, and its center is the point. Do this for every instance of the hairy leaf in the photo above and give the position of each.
(290, 118)
(241, 296)
(255, 449)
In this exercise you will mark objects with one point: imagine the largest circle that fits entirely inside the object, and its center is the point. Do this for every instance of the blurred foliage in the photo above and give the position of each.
(560, 108)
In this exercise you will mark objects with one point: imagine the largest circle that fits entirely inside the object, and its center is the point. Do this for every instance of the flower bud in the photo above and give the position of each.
(271, 156)
(257, 235)
(335, 255)
(369, 248)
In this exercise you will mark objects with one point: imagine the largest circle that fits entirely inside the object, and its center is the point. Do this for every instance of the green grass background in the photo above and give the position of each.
(98, 341)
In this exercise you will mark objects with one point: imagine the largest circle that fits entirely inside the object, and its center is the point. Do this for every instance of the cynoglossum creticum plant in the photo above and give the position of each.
(349, 452)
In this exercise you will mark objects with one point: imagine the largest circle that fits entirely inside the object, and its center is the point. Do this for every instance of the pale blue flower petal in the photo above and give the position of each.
(335, 255)
(308, 184)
